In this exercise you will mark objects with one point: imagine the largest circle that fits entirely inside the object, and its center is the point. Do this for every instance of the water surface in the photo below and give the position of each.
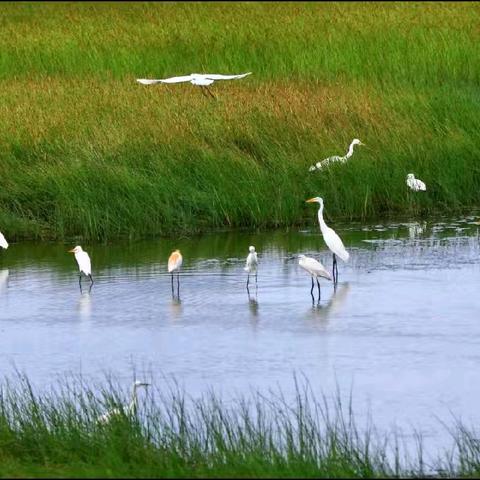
(402, 328)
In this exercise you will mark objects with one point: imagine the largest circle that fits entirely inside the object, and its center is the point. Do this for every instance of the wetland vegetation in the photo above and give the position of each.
(87, 151)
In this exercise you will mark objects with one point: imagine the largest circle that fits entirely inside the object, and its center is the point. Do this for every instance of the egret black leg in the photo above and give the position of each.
(91, 279)
(334, 269)
(211, 94)
(256, 279)
(178, 284)
(172, 285)
(311, 292)
(80, 280)
(248, 280)
(319, 294)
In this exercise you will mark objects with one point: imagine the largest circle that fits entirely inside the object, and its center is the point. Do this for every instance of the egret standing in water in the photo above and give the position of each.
(415, 184)
(3, 241)
(174, 263)
(333, 241)
(201, 79)
(251, 264)
(336, 158)
(84, 264)
(130, 409)
(315, 269)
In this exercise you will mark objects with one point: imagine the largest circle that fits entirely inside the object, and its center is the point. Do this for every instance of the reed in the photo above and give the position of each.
(86, 151)
(55, 432)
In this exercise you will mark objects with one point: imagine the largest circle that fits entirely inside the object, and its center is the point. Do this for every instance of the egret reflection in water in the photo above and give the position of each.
(85, 304)
(333, 306)
(416, 229)
(253, 302)
(3, 279)
(176, 307)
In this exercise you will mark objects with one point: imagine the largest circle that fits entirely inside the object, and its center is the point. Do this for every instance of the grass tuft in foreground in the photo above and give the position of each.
(56, 433)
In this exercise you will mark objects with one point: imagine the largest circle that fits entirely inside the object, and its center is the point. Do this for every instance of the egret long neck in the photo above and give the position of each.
(321, 221)
(350, 150)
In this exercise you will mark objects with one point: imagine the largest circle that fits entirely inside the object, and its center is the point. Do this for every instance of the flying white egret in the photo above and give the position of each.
(130, 409)
(251, 264)
(315, 269)
(336, 158)
(84, 264)
(174, 263)
(333, 241)
(415, 184)
(200, 79)
(3, 241)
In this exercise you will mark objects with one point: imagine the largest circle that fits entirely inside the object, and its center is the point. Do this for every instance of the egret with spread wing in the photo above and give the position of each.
(201, 79)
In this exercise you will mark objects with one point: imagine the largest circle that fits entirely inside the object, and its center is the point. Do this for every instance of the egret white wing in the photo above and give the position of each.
(218, 76)
(421, 185)
(83, 261)
(174, 262)
(335, 244)
(252, 262)
(146, 81)
(314, 267)
(3, 241)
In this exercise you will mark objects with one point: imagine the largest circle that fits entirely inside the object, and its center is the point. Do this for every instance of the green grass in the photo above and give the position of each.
(86, 151)
(55, 433)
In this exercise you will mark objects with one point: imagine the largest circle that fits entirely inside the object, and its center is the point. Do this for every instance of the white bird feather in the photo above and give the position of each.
(415, 184)
(201, 79)
(83, 260)
(313, 267)
(130, 409)
(252, 261)
(336, 158)
(3, 241)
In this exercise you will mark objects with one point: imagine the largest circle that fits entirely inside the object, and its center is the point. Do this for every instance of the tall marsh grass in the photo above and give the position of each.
(56, 433)
(86, 151)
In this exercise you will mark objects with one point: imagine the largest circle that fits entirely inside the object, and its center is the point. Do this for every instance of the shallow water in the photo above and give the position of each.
(402, 328)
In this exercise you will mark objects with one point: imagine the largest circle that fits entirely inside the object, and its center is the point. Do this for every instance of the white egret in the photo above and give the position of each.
(415, 184)
(336, 158)
(251, 264)
(200, 79)
(174, 263)
(84, 264)
(130, 409)
(315, 269)
(3, 241)
(333, 241)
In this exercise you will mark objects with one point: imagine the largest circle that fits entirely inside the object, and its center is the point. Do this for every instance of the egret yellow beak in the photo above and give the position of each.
(71, 251)
(311, 200)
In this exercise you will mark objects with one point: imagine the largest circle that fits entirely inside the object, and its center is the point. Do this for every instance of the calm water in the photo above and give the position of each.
(402, 328)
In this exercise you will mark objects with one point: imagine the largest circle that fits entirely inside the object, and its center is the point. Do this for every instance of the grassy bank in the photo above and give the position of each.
(171, 435)
(85, 150)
